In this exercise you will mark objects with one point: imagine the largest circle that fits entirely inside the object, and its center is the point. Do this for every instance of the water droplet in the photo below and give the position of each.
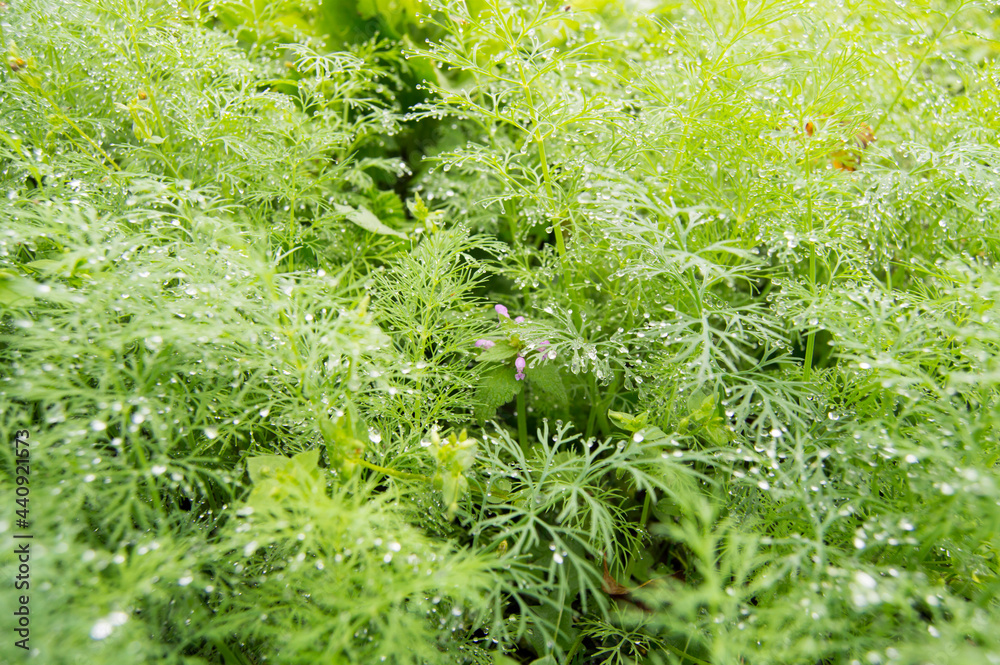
(105, 626)
(865, 580)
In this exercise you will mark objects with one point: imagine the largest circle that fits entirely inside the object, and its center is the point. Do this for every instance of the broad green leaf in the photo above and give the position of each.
(278, 479)
(418, 208)
(496, 388)
(307, 460)
(364, 218)
(498, 352)
(545, 377)
(499, 491)
(627, 421)
(263, 467)
(17, 290)
(561, 622)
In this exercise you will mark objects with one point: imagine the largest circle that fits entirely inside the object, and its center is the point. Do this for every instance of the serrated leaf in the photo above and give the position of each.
(545, 377)
(367, 220)
(453, 487)
(71, 264)
(500, 491)
(627, 421)
(496, 388)
(263, 467)
(652, 434)
(554, 621)
(307, 460)
(498, 352)
(345, 436)
(16, 290)
(666, 509)
(418, 208)
(277, 478)
(717, 434)
(47, 266)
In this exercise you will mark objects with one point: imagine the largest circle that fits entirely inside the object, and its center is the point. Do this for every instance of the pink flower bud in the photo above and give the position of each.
(485, 343)
(502, 311)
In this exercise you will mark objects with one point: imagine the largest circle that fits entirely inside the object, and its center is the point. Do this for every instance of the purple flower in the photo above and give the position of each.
(485, 343)
(520, 364)
(519, 319)
(502, 311)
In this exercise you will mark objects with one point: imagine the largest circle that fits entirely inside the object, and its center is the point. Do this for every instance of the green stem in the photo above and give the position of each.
(546, 174)
(916, 68)
(511, 223)
(228, 655)
(65, 118)
(153, 487)
(402, 475)
(597, 406)
(810, 346)
(590, 423)
(574, 648)
(685, 655)
(811, 340)
(522, 421)
(167, 150)
(556, 224)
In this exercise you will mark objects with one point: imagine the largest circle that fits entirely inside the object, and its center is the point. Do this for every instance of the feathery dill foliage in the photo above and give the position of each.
(503, 332)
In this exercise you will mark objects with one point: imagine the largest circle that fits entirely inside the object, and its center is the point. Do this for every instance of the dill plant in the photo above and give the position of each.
(740, 405)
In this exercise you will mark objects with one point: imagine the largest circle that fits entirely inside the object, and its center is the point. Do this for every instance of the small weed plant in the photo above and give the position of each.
(500, 332)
